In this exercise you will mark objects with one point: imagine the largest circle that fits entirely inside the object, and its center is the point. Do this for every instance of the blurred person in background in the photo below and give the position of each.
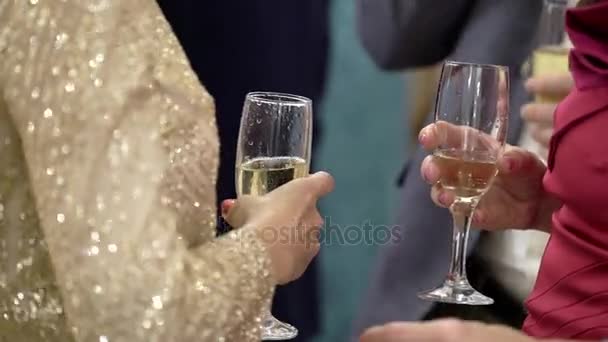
(423, 33)
(263, 45)
(421, 93)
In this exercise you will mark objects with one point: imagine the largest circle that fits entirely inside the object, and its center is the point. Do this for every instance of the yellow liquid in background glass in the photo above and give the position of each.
(549, 60)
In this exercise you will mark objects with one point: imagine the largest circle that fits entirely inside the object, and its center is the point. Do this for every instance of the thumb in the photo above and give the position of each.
(519, 161)
(317, 185)
(226, 206)
(320, 183)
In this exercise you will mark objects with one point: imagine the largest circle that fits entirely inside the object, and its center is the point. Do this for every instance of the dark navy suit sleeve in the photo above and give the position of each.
(400, 34)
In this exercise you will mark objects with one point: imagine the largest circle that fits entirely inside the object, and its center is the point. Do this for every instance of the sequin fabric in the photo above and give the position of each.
(108, 158)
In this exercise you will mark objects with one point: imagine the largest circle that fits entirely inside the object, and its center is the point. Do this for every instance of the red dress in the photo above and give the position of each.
(570, 298)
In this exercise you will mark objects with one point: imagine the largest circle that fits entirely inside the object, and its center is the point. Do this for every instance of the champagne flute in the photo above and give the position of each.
(471, 114)
(274, 148)
(551, 56)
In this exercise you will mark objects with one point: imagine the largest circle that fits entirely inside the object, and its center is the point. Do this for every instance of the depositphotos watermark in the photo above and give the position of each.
(365, 233)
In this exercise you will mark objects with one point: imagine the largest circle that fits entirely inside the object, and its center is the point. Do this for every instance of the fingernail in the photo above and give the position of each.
(430, 175)
(422, 138)
(425, 175)
(226, 205)
(372, 330)
(510, 164)
(443, 199)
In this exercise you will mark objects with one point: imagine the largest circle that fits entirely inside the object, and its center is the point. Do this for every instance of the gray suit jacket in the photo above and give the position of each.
(400, 34)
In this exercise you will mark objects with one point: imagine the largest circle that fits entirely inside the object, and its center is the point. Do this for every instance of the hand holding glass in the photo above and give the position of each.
(471, 115)
(274, 148)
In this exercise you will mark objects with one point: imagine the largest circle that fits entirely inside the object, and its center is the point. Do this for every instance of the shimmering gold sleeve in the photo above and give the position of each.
(120, 145)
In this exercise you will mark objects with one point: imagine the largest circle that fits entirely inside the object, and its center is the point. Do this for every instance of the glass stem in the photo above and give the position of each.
(462, 213)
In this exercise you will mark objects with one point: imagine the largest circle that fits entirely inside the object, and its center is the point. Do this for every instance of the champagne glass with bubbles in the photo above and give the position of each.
(471, 115)
(274, 148)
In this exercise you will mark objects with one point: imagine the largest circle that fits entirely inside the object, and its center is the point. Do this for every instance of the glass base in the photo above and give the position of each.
(275, 330)
(452, 293)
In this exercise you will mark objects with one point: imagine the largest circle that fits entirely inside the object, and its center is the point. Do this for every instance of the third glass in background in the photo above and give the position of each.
(551, 56)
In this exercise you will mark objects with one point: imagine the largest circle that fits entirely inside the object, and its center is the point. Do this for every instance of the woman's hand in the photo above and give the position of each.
(445, 331)
(287, 220)
(551, 89)
(516, 198)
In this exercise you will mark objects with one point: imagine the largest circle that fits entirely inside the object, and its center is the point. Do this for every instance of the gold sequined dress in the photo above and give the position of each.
(108, 157)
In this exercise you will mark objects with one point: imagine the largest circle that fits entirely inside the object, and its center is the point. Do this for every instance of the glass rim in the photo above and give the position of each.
(564, 3)
(477, 65)
(270, 97)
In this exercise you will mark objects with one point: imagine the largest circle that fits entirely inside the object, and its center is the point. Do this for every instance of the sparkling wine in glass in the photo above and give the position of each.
(471, 115)
(274, 146)
(551, 56)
